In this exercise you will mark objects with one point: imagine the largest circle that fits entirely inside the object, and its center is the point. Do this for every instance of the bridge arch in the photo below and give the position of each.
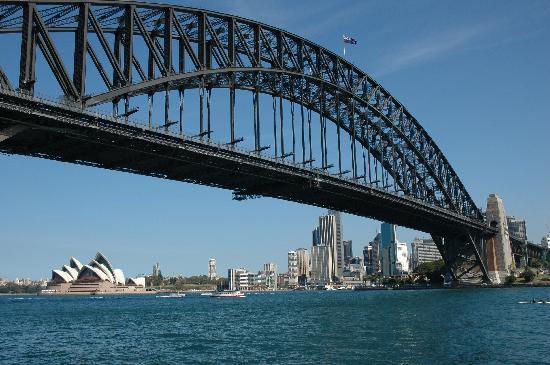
(141, 49)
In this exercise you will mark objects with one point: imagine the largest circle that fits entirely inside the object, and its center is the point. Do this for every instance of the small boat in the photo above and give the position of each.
(171, 295)
(228, 294)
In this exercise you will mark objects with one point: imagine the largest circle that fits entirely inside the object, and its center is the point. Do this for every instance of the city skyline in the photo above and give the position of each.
(51, 208)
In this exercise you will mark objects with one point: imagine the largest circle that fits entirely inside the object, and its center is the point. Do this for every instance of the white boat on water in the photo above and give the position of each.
(171, 295)
(228, 294)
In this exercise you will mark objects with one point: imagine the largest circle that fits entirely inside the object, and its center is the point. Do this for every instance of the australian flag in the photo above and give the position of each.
(348, 39)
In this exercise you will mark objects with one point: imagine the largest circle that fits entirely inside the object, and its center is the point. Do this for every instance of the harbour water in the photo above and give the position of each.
(462, 326)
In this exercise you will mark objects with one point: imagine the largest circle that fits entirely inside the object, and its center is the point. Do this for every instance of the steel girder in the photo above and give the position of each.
(227, 51)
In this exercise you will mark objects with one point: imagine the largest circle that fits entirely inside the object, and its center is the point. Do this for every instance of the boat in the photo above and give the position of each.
(171, 295)
(228, 294)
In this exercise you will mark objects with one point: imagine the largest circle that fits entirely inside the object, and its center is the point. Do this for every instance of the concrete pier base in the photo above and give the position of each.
(498, 249)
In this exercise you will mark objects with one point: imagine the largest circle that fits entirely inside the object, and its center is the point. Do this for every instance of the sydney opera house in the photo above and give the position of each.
(99, 276)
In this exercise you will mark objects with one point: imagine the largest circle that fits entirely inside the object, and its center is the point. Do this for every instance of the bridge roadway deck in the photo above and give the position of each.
(65, 133)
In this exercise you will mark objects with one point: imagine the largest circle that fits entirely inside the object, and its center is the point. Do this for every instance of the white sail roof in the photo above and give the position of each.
(69, 270)
(104, 269)
(75, 264)
(119, 276)
(60, 275)
(88, 270)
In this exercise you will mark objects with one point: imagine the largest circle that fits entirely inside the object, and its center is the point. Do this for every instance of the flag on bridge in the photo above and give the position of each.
(348, 39)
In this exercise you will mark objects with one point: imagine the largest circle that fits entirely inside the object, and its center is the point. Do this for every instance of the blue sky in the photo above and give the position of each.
(475, 74)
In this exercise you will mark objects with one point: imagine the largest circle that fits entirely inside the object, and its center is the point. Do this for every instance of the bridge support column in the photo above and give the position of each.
(498, 248)
(463, 256)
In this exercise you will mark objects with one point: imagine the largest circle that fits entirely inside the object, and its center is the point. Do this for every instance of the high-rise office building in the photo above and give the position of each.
(338, 257)
(328, 237)
(348, 251)
(423, 250)
(156, 270)
(315, 239)
(302, 258)
(321, 265)
(371, 255)
(367, 258)
(388, 249)
(401, 259)
(212, 274)
(292, 269)
(517, 227)
(394, 260)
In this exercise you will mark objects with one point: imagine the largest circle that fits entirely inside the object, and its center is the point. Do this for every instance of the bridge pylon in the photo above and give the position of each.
(464, 257)
(498, 248)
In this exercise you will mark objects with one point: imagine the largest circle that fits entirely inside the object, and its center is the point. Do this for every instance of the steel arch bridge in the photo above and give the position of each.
(330, 135)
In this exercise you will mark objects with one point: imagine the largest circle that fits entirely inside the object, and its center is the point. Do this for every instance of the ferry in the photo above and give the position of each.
(228, 294)
(171, 295)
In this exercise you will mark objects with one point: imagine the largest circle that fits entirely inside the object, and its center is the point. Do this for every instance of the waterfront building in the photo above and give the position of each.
(354, 272)
(348, 251)
(517, 227)
(321, 265)
(270, 270)
(212, 274)
(156, 270)
(282, 280)
(303, 262)
(423, 250)
(545, 242)
(233, 278)
(99, 276)
(292, 269)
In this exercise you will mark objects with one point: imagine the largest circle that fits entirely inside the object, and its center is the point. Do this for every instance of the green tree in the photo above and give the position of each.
(536, 263)
(434, 271)
(529, 275)
(511, 278)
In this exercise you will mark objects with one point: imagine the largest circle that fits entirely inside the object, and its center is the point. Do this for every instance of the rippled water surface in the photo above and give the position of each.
(474, 326)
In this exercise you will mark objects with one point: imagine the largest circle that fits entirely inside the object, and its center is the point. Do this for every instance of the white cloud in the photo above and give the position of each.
(429, 48)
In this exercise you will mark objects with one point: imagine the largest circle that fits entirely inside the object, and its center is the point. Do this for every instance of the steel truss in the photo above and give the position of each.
(146, 49)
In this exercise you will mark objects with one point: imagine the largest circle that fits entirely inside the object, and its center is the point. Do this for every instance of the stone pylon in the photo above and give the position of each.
(500, 262)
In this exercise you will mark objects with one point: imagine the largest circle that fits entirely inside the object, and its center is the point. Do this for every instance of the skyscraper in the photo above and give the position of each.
(373, 255)
(292, 269)
(387, 249)
(315, 239)
(348, 251)
(394, 254)
(401, 259)
(327, 237)
(321, 265)
(212, 275)
(302, 257)
(156, 270)
(339, 256)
